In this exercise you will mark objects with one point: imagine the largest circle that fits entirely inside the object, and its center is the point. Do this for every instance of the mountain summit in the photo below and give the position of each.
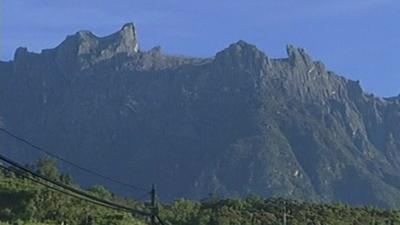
(85, 43)
(236, 124)
(85, 49)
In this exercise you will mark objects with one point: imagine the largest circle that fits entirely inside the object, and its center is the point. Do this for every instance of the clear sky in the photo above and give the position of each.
(359, 39)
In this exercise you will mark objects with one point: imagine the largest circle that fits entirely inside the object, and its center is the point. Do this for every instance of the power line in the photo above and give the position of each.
(9, 133)
(4, 168)
(160, 220)
(52, 187)
(80, 193)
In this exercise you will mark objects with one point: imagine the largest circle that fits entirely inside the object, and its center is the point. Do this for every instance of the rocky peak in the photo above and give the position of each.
(155, 51)
(298, 56)
(85, 35)
(239, 48)
(123, 41)
(20, 53)
(87, 48)
(241, 53)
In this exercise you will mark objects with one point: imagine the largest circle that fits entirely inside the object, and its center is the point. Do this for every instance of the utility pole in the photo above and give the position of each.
(284, 213)
(153, 205)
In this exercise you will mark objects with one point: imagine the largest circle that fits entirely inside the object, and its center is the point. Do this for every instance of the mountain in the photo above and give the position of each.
(236, 124)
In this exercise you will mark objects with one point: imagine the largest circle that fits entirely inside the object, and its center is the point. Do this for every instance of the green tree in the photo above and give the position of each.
(46, 166)
(101, 192)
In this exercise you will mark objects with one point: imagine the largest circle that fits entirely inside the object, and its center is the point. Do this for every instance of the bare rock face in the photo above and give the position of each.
(87, 49)
(238, 123)
(298, 56)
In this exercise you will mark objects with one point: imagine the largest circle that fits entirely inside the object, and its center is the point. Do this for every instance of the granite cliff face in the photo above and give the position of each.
(236, 124)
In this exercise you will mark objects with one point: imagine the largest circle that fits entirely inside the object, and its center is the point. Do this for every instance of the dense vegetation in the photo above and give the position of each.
(255, 210)
(24, 202)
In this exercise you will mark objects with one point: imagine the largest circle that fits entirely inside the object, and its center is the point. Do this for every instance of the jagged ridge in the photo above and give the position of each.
(238, 123)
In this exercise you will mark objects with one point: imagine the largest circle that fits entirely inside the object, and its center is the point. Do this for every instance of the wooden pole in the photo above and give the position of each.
(153, 205)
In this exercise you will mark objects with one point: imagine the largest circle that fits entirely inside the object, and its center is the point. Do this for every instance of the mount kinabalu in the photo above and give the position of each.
(237, 123)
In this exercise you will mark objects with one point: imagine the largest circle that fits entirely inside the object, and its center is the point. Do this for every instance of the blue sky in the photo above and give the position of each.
(359, 39)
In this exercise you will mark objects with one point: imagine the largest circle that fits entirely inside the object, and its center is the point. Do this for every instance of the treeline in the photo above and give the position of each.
(25, 202)
(255, 210)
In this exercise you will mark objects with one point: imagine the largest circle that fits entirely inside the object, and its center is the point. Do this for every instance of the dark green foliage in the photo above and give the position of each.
(101, 192)
(254, 210)
(25, 202)
(47, 167)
